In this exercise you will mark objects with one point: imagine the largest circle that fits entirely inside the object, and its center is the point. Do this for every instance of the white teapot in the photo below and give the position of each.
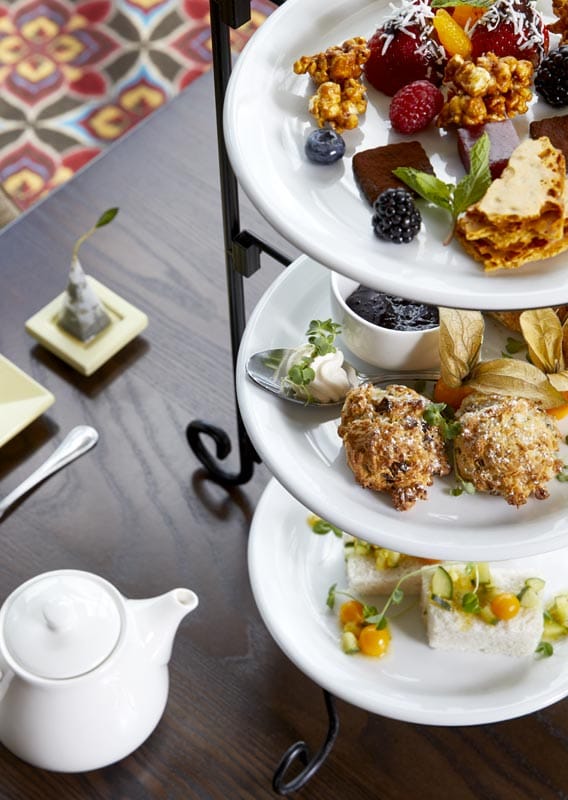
(84, 676)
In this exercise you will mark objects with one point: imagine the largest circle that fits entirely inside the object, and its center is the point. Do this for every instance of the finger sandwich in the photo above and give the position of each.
(469, 608)
(374, 570)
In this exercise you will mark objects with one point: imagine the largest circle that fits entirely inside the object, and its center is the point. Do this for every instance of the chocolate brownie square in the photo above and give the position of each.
(373, 168)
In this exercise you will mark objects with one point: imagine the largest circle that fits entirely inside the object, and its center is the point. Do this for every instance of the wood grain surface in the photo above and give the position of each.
(141, 512)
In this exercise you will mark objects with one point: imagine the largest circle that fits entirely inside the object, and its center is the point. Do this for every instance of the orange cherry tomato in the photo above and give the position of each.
(505, 606)
(374, 642)
(351, 611)
(451, 397)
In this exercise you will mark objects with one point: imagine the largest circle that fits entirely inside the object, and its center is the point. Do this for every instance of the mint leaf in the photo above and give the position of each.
(473, 186)
(453, 198)
(427, 186)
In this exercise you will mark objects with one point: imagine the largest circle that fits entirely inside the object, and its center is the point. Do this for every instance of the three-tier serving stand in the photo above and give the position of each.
(243, 253)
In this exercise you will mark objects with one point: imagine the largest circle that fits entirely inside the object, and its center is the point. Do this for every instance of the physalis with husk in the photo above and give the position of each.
(461, 371)
(504, 441)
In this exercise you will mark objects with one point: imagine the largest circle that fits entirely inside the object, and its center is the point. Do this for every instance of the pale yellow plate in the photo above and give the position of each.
(21, 400)
(86, 357)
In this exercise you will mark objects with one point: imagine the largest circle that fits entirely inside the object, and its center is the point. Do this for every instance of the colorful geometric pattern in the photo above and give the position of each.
(76, 76)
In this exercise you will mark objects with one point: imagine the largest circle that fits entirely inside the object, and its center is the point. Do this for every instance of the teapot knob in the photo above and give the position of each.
(59, 614)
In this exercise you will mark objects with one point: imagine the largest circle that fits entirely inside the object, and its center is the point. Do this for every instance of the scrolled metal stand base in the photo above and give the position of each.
(242, 259)
(301, 752)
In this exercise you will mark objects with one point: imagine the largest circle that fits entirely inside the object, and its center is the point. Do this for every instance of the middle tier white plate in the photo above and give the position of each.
(302, 449)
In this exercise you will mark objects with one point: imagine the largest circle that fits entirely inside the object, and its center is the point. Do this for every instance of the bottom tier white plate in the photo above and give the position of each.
(291, 570)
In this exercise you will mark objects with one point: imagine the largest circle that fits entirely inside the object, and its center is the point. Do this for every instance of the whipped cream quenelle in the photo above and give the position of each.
(333, 379)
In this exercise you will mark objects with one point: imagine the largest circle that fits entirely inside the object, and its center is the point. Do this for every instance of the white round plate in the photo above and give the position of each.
(301, 447)
(320, 209)
(291, 570)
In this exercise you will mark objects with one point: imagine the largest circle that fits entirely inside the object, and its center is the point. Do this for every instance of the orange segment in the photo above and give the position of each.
(451, 35)
(467, 15)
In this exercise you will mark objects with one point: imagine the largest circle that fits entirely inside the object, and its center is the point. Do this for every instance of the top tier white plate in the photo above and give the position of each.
(320, 208)
(302, 449)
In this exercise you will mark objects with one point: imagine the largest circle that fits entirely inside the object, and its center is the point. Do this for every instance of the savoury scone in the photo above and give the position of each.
(389, 445)
(507, 446)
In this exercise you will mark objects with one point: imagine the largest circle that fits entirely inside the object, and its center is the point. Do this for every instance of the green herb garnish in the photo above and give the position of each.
(544, 650)
(105, 218)
(441, 416)
(321, 527)
(454, 198)
(321, 336)
(562, 476)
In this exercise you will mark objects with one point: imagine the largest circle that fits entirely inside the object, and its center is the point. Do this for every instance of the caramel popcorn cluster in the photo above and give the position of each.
(560, 10)
(488, 89)
(340, 95)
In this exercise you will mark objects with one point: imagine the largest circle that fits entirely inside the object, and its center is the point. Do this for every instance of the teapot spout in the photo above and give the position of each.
(157, 620)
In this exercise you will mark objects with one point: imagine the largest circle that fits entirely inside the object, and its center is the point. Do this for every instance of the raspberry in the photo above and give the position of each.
(511, 28)
(396, 218)
(415, 106)
(551, 79)
(405, 49)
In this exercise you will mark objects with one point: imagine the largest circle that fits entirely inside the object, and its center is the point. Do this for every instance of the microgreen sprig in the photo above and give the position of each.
(440, 415)
(321, 527)
(105, 218)
(454, 198)
(321, 337)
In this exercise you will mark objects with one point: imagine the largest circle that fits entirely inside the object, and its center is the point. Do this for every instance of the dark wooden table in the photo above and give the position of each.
(140, 511)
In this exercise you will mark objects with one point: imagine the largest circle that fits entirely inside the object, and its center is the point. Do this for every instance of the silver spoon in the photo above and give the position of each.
(77, 442)
(262, 368)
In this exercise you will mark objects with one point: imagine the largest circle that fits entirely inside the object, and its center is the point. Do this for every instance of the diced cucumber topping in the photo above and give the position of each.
(536, 583)
(559, 610)
(484, 572)
(441, 601)
(442, 585)
(528, 597)
(488, 616)
(349, 643)
(553, 630)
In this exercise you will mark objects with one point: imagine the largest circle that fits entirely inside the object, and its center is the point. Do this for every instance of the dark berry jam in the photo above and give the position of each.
(394, 313)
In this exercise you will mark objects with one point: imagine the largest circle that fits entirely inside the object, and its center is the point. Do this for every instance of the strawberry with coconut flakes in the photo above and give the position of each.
(405, 49)
(511, 28)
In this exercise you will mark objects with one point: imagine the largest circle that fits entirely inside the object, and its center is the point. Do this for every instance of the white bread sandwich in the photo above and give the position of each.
(374, 570)
(472, 608)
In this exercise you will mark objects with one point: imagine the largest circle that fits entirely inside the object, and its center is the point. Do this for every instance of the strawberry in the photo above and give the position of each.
(405, 49)
(511, 28)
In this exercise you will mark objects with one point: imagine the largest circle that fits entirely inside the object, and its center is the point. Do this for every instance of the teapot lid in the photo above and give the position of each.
(62, 624)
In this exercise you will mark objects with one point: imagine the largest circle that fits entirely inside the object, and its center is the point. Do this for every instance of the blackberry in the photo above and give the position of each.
(396, 218)
(551, 79)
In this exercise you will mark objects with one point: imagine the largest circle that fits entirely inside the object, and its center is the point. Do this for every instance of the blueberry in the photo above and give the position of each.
(324, 146)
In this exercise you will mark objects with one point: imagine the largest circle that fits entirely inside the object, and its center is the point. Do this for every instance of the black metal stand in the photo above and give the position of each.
(242, 259)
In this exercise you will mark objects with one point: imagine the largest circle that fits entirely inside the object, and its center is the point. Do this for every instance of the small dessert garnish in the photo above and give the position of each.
(521, 216)
(551, 79)
(340, 96)
(503, 139)
(325, 146)
(405, 49)
(415, 106)
(373, 169)
(389, 446)
(364, 630)
(388, 311)
(396, 219)
(451, 34)
(474, 608)
(511, 28)
(453, 198)
(83, 314)
(556, 128)
(316, 370)
(487, 89)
